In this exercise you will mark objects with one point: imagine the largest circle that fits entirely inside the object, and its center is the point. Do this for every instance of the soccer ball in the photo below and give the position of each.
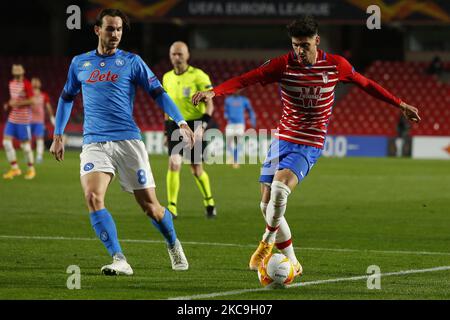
(276, 271)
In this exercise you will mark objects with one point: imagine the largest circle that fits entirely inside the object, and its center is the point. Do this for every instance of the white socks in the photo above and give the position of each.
(39, 148)
(275, 209)
(26, 148)
(281, 235)
(10, 153)
(284, 232)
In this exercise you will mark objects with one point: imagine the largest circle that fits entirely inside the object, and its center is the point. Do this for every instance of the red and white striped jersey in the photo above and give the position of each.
(37, 111)
(20, 90)
(307, 92)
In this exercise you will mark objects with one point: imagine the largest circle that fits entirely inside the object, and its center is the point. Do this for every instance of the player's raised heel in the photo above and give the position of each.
(263, 250)
(12, 173)
(117, 267)
(177, 257)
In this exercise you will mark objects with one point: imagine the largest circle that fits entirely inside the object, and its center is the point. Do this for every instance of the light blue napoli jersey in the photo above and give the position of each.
(235, 107)
(108, 86)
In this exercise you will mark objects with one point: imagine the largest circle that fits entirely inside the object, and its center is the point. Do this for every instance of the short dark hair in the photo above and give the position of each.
(306, 26)
(112, 13)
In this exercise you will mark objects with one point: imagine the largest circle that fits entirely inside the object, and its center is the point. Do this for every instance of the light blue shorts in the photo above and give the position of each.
(37, 130)
(299, 158)
(19, 131)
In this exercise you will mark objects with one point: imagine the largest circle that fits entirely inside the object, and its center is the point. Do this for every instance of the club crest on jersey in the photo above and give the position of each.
(87, 64)
(97, 76)
(325, 77)
(310, 96)
(119, 62)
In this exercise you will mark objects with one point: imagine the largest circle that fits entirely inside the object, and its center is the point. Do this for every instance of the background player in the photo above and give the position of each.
(235, 107)
(111, 139)
(307, 77)
(18, 123)
(41, 101)
(181, 83)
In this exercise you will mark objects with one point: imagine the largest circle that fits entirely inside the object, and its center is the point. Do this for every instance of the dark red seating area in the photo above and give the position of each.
(51, 71)
(359, 113)
(355, 113)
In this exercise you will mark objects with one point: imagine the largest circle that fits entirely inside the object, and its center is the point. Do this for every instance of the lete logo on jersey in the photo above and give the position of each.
(97, 76)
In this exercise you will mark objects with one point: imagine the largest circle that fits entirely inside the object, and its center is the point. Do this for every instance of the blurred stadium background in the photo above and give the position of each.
(227, 38)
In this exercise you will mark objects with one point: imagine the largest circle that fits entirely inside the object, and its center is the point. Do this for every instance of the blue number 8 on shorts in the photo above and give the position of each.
(142, 179)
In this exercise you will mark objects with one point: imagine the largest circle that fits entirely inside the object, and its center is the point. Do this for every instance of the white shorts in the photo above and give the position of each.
(128, 157)
(235, 129)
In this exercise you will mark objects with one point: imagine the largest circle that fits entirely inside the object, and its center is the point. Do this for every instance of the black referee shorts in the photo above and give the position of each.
(176, 145)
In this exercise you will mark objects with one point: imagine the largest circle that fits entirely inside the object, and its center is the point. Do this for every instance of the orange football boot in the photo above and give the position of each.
(263, 250)
(12, 173)
(31, 173)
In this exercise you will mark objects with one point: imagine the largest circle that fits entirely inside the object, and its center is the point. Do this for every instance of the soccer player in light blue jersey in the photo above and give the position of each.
(112, 141)
(234, 111)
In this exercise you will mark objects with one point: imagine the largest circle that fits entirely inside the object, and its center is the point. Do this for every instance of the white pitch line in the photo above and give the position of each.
(309, 283)
(228, 245)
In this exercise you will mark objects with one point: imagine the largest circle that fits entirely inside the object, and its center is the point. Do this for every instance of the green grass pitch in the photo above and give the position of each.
(347, 215)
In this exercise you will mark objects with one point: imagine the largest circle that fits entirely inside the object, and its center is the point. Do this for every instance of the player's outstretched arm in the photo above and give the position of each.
(377, 91)
(168, 106)
(202, 96)
(150, 83)
(411, 113)
(269, 72)
(348, 74)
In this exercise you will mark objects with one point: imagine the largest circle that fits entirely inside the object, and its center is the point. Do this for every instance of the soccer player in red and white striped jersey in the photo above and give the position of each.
(41, 102)
(18, 124)
(307, 77)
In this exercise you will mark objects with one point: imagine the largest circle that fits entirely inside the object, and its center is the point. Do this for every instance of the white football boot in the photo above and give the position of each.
(117, 267)
(177, 257)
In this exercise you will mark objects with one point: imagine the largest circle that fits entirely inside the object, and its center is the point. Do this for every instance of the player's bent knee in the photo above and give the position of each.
(175, 163)
(279, 193)
(94, 200)
(152, 210)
